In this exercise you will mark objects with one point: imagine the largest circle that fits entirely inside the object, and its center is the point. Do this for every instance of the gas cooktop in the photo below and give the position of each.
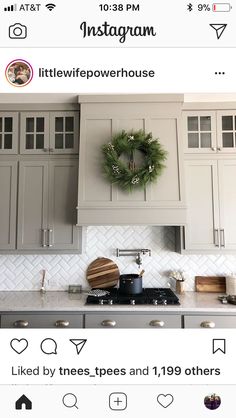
(149, 296)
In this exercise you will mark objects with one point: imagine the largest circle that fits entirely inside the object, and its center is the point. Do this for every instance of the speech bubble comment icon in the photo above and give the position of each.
(48, 346)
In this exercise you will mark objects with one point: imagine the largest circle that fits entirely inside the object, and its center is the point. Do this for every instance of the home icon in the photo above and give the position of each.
(23, 402)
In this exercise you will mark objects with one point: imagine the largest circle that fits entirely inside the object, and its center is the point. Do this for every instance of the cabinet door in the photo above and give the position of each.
(63, 189)
(8, 182)
(32, 320)
(199, 132)
(34, 138)
(227, 192)
(153, 321)
(226, 123)
(8, 133)
(32, 205)
(202, 231)
(64, 132)
(209, 321)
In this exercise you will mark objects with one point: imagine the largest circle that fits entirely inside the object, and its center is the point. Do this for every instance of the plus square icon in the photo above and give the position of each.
(118, 401)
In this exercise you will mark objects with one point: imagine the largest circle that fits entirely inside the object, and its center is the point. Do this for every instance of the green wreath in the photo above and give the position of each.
(128, 176)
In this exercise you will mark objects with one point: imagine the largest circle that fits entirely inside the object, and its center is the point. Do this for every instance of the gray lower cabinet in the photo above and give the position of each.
(26, 320)
(107, 320)
(209, 321)
(115, 320)
(47, 205)
(8, 190)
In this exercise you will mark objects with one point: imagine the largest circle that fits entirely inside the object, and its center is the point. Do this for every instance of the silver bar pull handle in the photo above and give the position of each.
(44, 232)
(222, 238)
(50, 231)
(216, 237)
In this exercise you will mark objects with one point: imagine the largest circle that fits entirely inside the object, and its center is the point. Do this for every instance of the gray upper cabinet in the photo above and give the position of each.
(49, 133)
(210, 183)
(63, 184)
(38, 187)
(211, 202)
(226, 122)
(32, 205)
(34, 137)
(64, 132)
(47, 205)
(8, 133)
(8, 190)
(201, 231)
(199, 132)
(102, 203)
(208, 131)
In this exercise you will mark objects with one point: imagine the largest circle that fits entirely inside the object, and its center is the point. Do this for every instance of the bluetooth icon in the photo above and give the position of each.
(190, 7)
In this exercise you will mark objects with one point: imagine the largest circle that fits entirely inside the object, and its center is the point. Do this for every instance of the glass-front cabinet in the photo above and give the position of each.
(64, 132)
(200, 131)
(226, 123)
(34, 133)
(209, 131)
(8, 133)
(54, 132)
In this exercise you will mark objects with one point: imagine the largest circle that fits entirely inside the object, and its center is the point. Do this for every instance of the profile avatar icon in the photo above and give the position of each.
(212, 401)
(19, 73)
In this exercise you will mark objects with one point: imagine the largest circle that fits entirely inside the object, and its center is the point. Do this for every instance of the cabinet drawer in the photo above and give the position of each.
(132, 321)
(58, 320)
(209, 321)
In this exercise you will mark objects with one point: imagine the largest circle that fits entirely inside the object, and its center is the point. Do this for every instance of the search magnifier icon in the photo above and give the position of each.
(69, 400)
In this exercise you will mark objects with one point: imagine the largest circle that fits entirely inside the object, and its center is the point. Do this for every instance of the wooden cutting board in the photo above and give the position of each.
(214, 284)
(102, 272)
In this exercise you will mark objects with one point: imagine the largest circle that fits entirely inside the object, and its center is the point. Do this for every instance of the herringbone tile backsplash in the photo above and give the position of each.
(23, 272)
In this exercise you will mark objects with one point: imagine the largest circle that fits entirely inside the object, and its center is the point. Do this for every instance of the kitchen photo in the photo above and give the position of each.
(117, 211)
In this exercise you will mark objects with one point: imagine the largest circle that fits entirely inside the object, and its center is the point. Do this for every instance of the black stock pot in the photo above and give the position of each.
(130, 284)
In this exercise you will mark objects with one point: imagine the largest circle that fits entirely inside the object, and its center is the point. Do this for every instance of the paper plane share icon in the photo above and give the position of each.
(219, 28)
(79, 344)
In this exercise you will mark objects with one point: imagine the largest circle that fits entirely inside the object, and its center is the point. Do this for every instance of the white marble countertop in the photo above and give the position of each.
(191, 302)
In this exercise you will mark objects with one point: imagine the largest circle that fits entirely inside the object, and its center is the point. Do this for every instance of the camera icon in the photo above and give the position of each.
(17, 31)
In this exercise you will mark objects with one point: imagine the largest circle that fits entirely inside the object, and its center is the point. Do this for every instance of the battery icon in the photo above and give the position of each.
(221, 7)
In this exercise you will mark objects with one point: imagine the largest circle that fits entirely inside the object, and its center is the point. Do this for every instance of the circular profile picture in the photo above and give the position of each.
(19, 73)
(212, 401)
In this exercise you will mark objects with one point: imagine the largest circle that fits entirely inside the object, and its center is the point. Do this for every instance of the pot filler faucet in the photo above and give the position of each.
(134, 252)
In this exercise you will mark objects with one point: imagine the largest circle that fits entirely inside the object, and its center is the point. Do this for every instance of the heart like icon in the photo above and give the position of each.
(165, 400)
(19, 345)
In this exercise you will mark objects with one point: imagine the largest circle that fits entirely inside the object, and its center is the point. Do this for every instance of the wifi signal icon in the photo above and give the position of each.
(50, 6)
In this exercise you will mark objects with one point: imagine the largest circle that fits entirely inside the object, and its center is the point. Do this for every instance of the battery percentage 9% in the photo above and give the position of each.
(204, 7)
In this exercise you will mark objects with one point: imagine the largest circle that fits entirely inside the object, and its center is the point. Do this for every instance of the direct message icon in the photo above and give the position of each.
(19, 345)
(79, 344)
(49, 346)
(165, 400)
